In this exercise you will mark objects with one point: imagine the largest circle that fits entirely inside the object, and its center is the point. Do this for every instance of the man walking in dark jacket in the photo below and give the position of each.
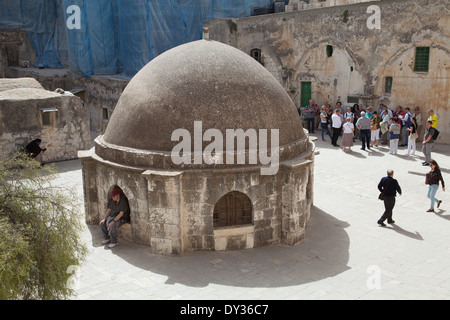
(389, 186)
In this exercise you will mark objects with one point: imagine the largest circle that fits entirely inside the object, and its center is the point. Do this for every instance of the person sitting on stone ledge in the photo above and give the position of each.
(115, 216)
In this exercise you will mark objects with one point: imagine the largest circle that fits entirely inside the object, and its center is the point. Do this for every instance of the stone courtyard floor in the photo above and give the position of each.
(345, 255)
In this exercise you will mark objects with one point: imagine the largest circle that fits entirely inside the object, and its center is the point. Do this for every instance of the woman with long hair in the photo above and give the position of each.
(434, 176)
(324, 123)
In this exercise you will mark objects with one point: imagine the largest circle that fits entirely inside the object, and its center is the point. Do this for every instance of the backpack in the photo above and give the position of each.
(435, 134)
(408, 122)
(396, 129)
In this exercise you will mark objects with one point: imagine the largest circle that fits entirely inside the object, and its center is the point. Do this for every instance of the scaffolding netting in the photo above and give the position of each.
(113, 36)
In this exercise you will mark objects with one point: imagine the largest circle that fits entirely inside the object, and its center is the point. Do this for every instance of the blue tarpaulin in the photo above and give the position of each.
(113, 36)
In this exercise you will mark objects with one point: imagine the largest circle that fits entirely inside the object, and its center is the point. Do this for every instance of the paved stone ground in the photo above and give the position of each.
(345, 255)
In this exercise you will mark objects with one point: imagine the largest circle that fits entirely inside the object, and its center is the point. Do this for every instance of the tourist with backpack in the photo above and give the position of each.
(406, 122)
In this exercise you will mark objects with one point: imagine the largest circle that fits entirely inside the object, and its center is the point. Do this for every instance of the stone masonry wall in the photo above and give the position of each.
(164, 211)
(20, 123)
(99, 91)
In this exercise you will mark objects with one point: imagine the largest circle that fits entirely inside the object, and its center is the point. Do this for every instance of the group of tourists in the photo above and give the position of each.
(353, 123)
(401, 127)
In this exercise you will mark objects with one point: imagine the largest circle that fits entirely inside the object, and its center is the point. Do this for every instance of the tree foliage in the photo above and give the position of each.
(40, 230)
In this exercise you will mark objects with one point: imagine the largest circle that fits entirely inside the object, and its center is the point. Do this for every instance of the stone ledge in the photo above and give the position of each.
(124, 232)
(234, 238)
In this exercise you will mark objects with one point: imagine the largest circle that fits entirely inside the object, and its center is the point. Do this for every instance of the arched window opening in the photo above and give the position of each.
(233, 209)
(256, 54)
(329, 50)
(388, 85)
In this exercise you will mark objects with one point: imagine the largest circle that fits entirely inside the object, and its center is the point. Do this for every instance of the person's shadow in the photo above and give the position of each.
(440, 214)
(414, 235)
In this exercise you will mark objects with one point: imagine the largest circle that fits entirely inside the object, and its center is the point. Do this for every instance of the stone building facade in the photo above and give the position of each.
(99, 93)
(338, 52)
(15, 50)
(193, 205)
(28, 112)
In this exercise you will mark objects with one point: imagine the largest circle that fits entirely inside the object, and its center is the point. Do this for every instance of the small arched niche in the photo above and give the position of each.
(329, 50)
(233, 222)
(233, 209)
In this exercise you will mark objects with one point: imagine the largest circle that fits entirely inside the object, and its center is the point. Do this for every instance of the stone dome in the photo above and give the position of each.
(205, 81)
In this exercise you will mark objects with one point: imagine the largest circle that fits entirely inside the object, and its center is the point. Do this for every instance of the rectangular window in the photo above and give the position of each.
(388, 85)
(46, 119)
(422, 59)
(329, 50)
(48, 116)
(256, 54)
(105, 113)
(351, 99)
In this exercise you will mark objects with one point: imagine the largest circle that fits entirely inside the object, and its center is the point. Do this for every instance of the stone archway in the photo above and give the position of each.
(332, 75)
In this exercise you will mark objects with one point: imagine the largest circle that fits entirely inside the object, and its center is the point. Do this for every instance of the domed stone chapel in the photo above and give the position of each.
(210, 152)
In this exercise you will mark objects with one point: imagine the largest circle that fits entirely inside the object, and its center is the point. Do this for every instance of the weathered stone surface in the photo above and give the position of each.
(97, 92)
(22, 106)
(201, 81)
(19, 83)
(172, 206)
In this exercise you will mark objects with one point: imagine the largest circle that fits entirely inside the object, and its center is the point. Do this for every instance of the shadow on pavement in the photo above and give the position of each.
(324, 253)
(414, 235)
(66, 165)
(440, 214)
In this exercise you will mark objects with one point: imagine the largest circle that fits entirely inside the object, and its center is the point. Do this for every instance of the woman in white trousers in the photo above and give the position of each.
(412, 137)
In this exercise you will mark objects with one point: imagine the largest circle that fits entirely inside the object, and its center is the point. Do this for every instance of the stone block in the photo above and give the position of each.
(237, 242)
(292, 238)
(171, 231)
(124, 232)
(220, 244)
(161, 246)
